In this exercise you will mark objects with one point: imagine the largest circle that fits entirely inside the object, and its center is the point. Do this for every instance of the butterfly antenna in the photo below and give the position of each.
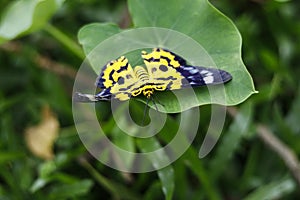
(145, 110)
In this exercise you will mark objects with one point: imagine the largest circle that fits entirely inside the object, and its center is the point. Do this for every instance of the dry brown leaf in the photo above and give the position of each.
(40, 138)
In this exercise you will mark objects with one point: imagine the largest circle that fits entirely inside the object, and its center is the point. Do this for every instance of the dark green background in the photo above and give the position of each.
(241, 166)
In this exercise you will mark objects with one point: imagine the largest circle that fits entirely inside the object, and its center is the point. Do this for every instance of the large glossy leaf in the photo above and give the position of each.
(198, 20)
(23, 17)
(92, 34)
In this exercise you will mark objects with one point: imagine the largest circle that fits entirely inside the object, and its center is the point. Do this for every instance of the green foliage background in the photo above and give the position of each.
(241, 166)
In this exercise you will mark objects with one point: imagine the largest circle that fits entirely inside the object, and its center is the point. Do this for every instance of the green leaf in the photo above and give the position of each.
(292, 118)
(190, 159)
(23, 17)
(197, 167)
(38, 184)
(91, 35)
(71, 190)
(153, 191)
(42, 181)
(47, 168)
(166, 175)
(210, 28)
(232, 139)
(10, 156)
(126, 142)
(217, 39)
(274, 190)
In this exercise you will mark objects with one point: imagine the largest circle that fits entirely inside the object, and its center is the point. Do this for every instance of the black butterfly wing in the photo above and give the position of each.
(199, 76)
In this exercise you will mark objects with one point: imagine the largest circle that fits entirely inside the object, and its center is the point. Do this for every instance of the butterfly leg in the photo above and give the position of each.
(145, 110)
(157, 100)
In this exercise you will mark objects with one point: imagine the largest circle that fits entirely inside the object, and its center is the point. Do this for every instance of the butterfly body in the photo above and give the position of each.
(164, 71)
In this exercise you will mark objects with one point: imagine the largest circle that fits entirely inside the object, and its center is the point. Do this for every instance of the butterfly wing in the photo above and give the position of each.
(115, 81)
(161, 66)
(117, 78)
(188, 75)
(167, 71)
(199, 76)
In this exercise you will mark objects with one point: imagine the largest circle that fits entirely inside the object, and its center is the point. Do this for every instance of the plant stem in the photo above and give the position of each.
(283, 151)
(65, 40)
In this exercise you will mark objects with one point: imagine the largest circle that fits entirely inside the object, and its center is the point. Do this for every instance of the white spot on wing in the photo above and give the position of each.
(188, 68)
(204, 72)
(194, 71)
(208, 79)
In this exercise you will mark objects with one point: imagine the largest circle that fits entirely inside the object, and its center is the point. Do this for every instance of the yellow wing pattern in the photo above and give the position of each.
(116, 79)
(161, 66)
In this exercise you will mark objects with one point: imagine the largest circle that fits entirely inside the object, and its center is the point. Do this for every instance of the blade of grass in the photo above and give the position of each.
(166, 175)
(273, 190)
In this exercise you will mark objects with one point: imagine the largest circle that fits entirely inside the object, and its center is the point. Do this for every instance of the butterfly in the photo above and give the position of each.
(164, 71)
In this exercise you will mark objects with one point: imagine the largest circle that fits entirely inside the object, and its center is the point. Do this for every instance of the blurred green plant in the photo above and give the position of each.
(38, 64)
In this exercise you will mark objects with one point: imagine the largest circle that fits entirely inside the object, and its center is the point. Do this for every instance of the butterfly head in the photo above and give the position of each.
(148, 92)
